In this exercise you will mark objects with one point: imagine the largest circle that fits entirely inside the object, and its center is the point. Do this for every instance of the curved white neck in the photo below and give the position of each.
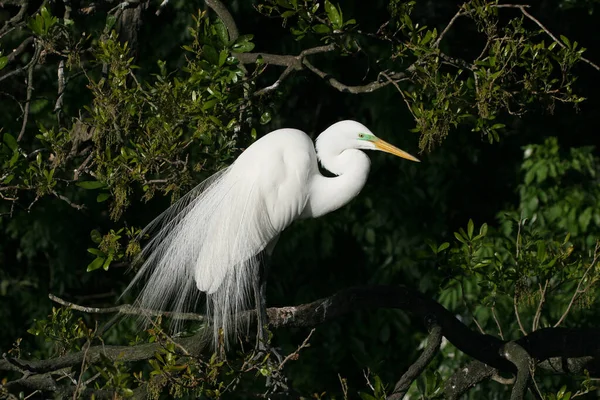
(328, 194)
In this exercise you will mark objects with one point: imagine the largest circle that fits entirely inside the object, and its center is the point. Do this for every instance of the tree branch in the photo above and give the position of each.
(433, 345)
(126, 309)
(518, 356)
(32, 64)
(578, 349)
(578, 290)
(219, 8)
(466, 378)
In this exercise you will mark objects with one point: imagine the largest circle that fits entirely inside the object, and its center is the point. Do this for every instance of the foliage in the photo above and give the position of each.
(110, 129)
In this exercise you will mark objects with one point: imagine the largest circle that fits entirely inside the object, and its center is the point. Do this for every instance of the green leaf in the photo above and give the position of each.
(370, 235)
(265, 118)
(223, 57)
(10, 141)
(102, 197)
(107, 263)
(470, 227)
(91, 184)
(243, 47)
(221, 30)
(210, 54)
(94, 265)
(443, 246)
(333, 14)
(209, 104)
(111, 19)
(459, 238)
(96, 252)
(3, 62)
(284, 3)
(96, 236)
(321, 29)
(483, 230)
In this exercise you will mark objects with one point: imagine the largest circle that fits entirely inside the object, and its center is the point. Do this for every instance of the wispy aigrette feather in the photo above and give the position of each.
(193, 251)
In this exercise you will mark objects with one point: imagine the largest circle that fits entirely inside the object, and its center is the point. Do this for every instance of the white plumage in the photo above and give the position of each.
(211, 240)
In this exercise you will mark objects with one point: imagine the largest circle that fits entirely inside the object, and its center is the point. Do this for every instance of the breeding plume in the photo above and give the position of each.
(211, 240)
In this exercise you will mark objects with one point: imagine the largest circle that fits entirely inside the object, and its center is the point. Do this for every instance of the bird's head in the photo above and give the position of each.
(348, 134)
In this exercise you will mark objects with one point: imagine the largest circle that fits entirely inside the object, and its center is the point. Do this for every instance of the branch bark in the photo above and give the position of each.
(433, 345)
(517, 355)
(542, 345)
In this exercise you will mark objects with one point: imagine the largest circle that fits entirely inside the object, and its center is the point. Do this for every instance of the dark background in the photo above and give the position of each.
(44, 250)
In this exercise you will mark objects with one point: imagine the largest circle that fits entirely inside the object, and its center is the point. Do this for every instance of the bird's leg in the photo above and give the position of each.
(276, 380)
(259, 283)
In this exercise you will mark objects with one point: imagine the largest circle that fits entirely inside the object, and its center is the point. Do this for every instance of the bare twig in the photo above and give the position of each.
(126, 309)
(276, 84)
(16, 21)
(516, 307)
(497, 322)
(17, 51)
(69, 202)
(368, 88)
(538, 312)
(295, 354)
(447, 28)
(578, 290)
(161, 6)
(32, 64)
(538, 23)
(86, 347)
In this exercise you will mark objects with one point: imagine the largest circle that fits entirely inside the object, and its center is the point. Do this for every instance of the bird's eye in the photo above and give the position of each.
(361, 135)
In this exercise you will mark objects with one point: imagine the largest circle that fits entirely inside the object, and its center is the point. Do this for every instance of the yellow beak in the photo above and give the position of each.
(388, 148)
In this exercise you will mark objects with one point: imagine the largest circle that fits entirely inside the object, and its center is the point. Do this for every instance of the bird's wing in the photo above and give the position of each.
(210, 240)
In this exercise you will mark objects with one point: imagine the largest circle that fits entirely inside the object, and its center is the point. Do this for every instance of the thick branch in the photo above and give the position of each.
(433, 345)
(466, 378)
(518, 356)
(543, 345)
(283, 60)
(219, 8)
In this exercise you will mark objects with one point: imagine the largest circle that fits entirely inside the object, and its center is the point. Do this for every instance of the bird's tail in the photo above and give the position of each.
(209, 241)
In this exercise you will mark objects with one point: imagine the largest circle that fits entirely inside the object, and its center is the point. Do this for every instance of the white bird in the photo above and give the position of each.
(211, 240)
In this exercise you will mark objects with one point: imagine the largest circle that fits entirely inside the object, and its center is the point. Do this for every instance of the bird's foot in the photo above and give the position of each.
(272, 363)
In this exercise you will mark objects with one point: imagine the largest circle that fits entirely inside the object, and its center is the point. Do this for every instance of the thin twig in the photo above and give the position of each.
(82, 369)
(126, 309)
(368, 88)
(578, 290)
(538, 312)
(32, 64)
(161, 6)
(538, 23)
(64, 198)
(295, 354)
(516, 307)
(447, 28)
(497, 322)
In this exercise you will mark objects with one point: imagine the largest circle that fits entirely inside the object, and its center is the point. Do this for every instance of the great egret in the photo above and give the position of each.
(211, 240)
